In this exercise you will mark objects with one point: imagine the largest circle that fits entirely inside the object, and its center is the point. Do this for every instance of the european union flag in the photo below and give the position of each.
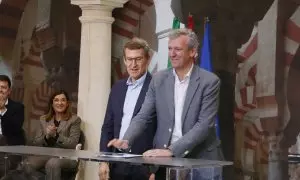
(205, 59)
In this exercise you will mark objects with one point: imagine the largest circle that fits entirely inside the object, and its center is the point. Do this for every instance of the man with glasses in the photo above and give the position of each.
(185, 99)
(125, 101)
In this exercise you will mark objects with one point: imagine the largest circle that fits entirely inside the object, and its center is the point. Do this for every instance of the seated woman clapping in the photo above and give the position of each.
(58, 128)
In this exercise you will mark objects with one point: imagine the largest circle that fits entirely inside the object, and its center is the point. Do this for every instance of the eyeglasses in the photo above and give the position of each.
(138, 60)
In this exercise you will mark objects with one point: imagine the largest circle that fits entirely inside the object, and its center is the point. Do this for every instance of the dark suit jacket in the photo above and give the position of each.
(12, 123)
(113, 118)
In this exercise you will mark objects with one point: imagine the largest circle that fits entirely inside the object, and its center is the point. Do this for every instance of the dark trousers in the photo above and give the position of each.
(124, 171)
(198, 174)
(160, 174)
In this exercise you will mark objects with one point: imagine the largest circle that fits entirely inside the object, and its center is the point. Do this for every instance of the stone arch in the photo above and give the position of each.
(126, 18)
(36, 43)
(126, 26)
(11, 11)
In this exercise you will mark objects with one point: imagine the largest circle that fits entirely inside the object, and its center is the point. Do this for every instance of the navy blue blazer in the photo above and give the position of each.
(12, 123)
(113, 118)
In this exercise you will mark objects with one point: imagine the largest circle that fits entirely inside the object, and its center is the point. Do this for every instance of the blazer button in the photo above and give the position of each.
(165, 146)
(170, 129)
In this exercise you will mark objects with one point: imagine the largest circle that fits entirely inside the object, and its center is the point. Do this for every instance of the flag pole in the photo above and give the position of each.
(206, 20)
(190, 22)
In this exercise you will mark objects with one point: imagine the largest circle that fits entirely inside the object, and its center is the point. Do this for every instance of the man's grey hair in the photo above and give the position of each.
(193, 39)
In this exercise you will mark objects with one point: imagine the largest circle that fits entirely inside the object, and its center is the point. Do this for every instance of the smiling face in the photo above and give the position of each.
(180, 55)
(60, 103)
(136, 62)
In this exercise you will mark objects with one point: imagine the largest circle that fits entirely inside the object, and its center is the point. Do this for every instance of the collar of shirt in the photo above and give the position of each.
(136, 83)
(2, 113)
(187, 76)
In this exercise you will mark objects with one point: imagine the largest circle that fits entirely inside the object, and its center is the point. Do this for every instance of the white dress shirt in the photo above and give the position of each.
(132, 95)
(2, 114)
(180, 88)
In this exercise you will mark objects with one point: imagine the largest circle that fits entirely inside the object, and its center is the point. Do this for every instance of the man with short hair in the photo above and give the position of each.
(125, 101)
(185, 100)
(11, 119)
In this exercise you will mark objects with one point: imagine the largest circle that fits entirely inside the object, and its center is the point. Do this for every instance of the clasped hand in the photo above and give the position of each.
(51, 131)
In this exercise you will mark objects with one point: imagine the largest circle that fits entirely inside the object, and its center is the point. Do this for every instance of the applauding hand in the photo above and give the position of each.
(51, 131)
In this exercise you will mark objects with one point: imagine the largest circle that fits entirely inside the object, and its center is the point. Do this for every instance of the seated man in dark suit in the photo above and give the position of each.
(11, 119)
(125, 101)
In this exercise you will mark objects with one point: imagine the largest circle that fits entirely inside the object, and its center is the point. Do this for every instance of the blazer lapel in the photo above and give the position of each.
(142, 95)
(193, 86)
(61, 126)
(122, 96)
(121, 100)
(169, 93)
(9, 110)
(47, 123)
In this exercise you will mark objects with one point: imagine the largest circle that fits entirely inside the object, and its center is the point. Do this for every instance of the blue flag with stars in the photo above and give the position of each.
(205, 59)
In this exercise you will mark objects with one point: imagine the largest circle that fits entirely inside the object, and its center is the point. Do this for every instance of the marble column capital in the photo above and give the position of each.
(98, 11)
(98, 7)
(107, 3)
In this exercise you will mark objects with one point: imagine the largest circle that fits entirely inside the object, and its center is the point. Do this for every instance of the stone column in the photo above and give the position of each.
(265, 91)
(95, 71)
